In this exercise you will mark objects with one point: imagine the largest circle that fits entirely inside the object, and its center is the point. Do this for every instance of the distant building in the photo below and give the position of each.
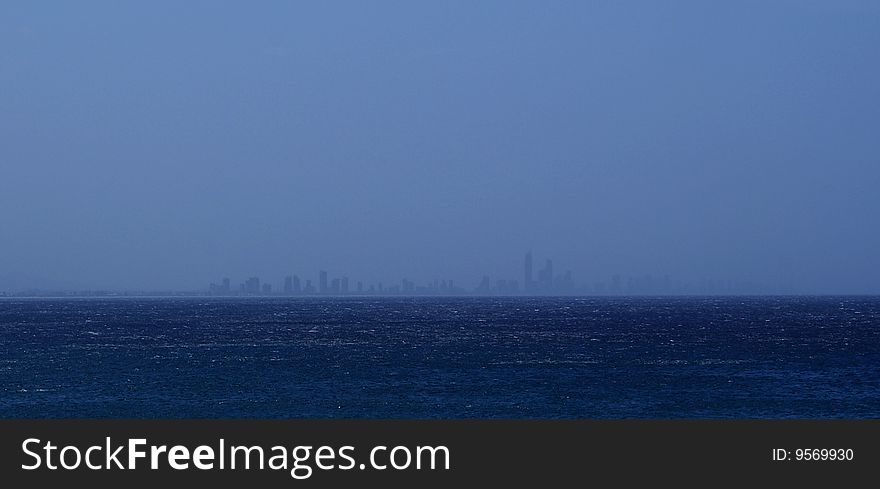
(288, 285)
(252, 286)
(485, 286)
(322, 282)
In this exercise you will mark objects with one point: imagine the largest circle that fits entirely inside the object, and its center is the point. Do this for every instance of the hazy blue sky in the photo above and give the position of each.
(169, 144)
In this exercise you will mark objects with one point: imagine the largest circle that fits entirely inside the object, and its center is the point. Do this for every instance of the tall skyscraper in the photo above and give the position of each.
(296, 285)
(288, 285)
(528, 266)
(344, 285)
(322, 282)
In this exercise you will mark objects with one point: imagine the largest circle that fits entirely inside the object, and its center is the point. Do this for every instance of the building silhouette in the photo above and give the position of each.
(543, 284)
(252, 286)
(322, 282)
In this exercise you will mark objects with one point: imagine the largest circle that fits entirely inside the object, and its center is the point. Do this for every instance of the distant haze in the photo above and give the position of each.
(170, 144)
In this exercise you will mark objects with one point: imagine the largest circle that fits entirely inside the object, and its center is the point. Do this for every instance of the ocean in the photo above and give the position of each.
(355, 357)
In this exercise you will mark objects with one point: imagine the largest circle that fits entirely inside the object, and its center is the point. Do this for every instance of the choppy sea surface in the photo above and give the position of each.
(710, 357)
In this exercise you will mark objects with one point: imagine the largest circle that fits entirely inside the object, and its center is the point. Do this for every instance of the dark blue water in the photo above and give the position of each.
(449, 358)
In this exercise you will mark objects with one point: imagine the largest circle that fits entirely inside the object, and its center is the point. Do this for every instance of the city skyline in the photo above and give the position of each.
(542, 281)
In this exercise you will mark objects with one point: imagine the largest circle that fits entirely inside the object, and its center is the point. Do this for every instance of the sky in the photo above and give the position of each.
(169, 144)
